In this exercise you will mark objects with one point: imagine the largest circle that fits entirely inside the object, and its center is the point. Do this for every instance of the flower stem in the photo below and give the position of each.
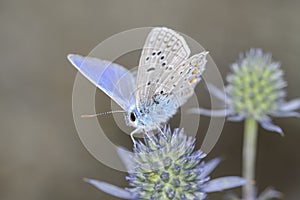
(249, 158)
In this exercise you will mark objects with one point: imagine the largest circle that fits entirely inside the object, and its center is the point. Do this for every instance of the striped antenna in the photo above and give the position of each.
(104, 113)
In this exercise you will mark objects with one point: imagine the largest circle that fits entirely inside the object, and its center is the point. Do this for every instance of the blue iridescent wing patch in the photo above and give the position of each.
(113, 79)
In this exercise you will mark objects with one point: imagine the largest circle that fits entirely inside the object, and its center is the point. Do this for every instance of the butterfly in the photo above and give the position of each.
(165, 79)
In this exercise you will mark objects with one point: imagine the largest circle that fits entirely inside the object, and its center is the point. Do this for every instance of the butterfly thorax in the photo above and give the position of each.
(151, 113)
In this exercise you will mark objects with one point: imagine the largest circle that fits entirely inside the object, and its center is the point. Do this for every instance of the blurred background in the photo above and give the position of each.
(41, 155)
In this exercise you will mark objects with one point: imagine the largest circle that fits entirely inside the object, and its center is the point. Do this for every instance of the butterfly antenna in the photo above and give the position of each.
(103, 113)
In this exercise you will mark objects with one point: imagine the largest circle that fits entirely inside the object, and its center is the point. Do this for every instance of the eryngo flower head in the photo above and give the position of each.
(167, 167)
(255, 90)
(255, 86)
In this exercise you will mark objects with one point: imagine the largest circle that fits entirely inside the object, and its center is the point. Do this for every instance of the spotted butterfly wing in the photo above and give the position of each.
(185, 77)
(163, 51)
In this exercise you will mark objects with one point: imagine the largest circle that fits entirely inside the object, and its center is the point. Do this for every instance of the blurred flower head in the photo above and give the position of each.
(255, 90)
(167, 167)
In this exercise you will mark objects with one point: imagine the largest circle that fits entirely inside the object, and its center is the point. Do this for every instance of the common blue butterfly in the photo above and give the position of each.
(165, 79)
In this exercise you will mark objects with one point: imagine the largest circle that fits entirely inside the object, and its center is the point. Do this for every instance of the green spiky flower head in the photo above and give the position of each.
(255, 86)
(167, 168)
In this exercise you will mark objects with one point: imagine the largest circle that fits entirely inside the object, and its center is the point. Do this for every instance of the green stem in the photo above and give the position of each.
(249, 158)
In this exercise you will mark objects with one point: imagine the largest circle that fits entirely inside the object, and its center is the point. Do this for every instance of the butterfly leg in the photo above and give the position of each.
(131, 135)
(150, 137)
(162, 133)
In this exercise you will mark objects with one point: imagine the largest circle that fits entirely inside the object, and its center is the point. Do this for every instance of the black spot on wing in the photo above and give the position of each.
(150, 69)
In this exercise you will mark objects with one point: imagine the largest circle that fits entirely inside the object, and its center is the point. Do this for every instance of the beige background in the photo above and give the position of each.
(41, 156)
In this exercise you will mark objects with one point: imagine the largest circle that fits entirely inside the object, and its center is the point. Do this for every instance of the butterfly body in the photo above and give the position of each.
(165, 79)
(152, 113)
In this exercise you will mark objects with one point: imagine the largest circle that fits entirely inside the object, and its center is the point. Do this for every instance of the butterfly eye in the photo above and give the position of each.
(132, 116)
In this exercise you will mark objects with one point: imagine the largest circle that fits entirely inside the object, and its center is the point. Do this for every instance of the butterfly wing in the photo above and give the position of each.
(183, 80)
(164, 50)
(114, 80)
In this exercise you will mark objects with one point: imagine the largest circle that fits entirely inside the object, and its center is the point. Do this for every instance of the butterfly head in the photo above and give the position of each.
(133, 118)
(137, 118)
